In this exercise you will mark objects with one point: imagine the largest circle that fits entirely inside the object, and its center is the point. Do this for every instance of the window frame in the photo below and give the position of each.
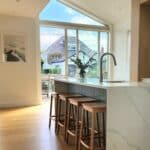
(77, 27)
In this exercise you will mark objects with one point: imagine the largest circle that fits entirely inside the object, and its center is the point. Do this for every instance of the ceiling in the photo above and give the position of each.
(27, 8)
(117, 12)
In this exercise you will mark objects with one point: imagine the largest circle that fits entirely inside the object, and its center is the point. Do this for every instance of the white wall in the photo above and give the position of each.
(19, 82)
(121, 50)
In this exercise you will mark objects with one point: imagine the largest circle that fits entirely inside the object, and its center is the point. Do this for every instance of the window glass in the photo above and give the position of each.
(72, 51)
(104, 47)
(52, 50)
(65, 14)
(88, 48)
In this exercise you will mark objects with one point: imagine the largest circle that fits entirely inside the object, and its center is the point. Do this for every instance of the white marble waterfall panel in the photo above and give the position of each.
(128, 118)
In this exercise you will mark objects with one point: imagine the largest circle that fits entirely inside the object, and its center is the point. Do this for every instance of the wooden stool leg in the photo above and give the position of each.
(98, 130)
(87, 124)
(66, 116)
(77, 127)
(56, 113)
(104, 129)
(68, 122)
(59, 113)
(92, 132)
(82, 126)
(50, 114)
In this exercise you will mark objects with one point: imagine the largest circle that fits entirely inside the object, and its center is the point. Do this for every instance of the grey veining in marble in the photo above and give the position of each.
(128, 118)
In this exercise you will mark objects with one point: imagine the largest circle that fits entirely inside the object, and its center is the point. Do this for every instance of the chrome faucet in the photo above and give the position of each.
(101, 64)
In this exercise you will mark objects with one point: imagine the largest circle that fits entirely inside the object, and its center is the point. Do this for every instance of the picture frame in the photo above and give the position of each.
(1, 48)
(14, 47)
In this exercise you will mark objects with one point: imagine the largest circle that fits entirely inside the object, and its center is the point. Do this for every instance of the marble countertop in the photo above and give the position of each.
(96, 83)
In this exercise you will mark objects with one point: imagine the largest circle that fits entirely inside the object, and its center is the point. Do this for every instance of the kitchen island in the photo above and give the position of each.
(128, 110)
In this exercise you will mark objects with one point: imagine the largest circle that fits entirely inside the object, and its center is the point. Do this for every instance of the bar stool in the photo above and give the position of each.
(62, 116)
(54, 96)
(73, 125)
(89, 136)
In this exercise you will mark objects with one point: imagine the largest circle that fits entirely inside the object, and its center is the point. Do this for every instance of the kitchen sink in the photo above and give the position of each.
(114, 81)
(145, 80)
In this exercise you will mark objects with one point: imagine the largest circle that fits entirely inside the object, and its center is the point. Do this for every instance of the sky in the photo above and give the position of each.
(56, 11)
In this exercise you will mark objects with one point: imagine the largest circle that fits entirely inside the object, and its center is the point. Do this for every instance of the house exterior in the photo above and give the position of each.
(55, 54)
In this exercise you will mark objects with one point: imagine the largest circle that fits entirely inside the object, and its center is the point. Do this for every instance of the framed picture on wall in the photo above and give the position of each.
(14, 47)
(1, 48)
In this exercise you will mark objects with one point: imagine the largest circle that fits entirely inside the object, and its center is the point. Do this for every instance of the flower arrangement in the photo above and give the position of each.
(83, 65)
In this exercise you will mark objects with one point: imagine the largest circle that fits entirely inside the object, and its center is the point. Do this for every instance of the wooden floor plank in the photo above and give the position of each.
(27, 129)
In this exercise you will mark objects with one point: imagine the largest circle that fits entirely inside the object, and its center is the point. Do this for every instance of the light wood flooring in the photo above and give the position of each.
(27, 129)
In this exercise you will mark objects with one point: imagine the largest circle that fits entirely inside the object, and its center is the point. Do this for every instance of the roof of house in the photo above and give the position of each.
(55, 52)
